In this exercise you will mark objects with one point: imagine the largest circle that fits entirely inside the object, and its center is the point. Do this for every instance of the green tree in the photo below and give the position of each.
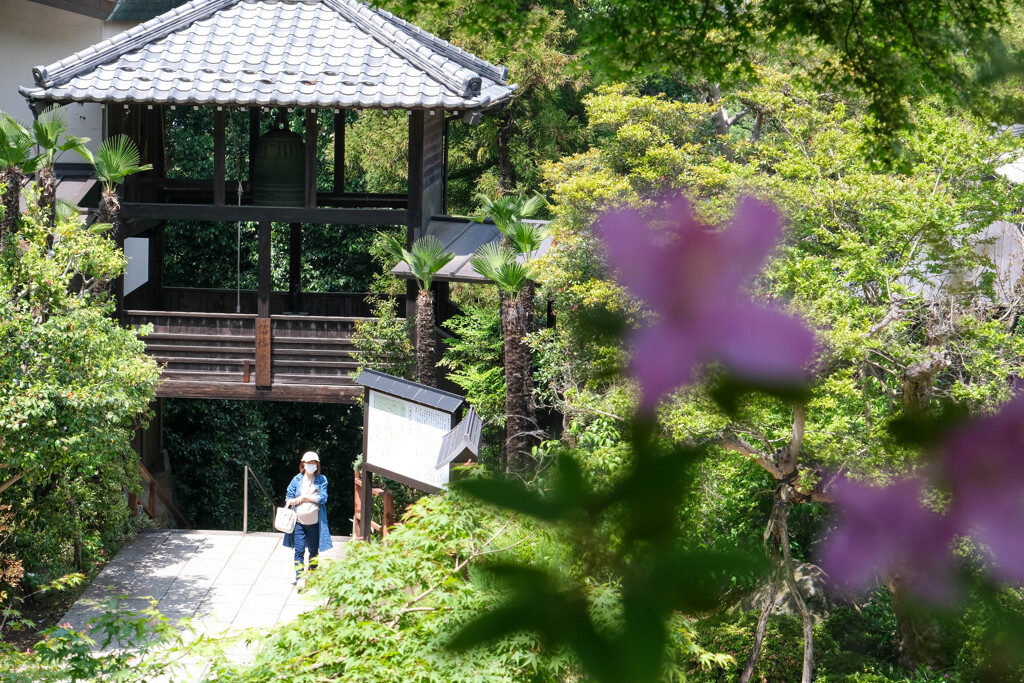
(116, 159)
(49, 131)
(424, 260)
(517, 294)
(73, 388)
(863, 263)
(16, 159)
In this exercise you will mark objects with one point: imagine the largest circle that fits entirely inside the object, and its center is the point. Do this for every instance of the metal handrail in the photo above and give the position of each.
(245, 496)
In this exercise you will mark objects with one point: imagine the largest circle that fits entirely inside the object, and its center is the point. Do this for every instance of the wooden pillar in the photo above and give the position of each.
(219, 156)
(254, 139)
(339, 152)
(263, 307)
(263, 274)
(295, 267)
(311, 131)
(416, 218)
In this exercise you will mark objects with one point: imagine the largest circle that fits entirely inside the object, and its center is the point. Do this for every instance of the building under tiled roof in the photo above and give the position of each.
(294, 53)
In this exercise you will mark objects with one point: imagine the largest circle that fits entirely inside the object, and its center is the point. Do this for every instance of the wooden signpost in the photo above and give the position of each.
(412, 434)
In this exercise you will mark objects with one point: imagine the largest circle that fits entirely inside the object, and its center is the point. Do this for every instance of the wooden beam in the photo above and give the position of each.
(416, 141)
(263, 356)
(310, 140)
(339, 151)
(277, 214)
(219, 156)
(263, 271)
(237, 391)
(295, 266)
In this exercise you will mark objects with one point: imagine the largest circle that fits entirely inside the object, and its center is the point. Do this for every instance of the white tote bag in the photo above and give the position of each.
(284, 520)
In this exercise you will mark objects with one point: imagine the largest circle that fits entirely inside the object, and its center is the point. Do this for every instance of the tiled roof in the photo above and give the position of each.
(294, 53)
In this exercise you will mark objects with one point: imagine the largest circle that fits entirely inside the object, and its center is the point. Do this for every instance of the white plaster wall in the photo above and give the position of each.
(37, 35)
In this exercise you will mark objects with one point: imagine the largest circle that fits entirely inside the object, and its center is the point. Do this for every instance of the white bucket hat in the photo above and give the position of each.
(310, 456)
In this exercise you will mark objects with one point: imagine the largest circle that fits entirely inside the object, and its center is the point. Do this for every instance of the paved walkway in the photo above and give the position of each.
(223, 580)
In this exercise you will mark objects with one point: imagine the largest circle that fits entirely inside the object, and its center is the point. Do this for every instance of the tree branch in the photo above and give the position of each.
(408, 607)
(734, 443)
(11, 482)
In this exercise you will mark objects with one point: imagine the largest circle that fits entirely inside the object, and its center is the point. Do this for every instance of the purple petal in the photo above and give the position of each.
(762, 344)
(985, 466)
(664, 359)
(882, 530)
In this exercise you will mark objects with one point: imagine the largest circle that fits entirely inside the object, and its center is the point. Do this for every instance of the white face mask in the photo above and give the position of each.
(310, 467)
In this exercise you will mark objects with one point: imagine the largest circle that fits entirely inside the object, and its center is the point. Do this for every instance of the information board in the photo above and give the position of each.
(405, 437)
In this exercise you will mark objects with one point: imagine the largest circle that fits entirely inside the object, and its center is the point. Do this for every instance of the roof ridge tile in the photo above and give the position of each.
(466, 84)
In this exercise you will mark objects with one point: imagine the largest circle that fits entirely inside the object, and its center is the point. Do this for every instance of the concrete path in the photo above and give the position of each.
(223, 580)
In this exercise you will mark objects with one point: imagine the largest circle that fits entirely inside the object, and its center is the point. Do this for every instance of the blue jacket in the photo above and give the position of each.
(294, 488)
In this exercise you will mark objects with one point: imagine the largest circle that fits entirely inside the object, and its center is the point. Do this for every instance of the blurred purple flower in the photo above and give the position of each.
(984, 463)
(884, 530)
(692, 278)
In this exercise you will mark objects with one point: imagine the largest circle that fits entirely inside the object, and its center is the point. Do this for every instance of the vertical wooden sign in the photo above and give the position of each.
(263, 352)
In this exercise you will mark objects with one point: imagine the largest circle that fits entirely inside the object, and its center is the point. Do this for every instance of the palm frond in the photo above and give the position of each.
(16, 144)
(428, 256)
(47, 130)
(526, 238)
(499, 264)
(393, 247)
(66, 210)
(508, 213)
(117, 158)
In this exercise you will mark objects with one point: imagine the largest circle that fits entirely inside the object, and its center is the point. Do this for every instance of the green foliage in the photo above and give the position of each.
(116, 159)
(885, 52)
(424, 260)
(392, 606)
(123, 645)
(382, 342)
(73, 387)
(49, 131)
(473, 358)
(16, 145)
(498, 264)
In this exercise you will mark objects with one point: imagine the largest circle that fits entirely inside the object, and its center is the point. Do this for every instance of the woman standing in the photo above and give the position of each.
(307, 492)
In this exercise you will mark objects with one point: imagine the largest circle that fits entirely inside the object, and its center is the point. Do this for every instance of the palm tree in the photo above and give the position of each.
(116, 159)
(424, 260)
(49, 132)
(501, 265)
(16, 159)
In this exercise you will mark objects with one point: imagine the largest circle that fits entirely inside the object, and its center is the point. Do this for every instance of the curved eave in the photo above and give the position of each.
(231, 95)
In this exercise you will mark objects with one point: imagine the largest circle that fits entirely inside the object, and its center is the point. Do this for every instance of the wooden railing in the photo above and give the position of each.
(213, 355)
(157, 491)
(388, 521)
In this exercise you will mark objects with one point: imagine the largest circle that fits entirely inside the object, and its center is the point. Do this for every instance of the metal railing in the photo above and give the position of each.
(245, 497)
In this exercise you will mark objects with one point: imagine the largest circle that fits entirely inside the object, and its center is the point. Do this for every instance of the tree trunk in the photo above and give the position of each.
(10, 179)
(782, 521)
(426, 344)
(108, 210)
(519, 422)
(762, 626)
(46, 181)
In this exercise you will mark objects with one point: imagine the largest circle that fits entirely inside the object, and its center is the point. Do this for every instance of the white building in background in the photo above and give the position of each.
(38, 32)
(35, 32)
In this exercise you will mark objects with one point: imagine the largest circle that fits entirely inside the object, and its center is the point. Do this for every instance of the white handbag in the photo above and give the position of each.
(284, 520)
